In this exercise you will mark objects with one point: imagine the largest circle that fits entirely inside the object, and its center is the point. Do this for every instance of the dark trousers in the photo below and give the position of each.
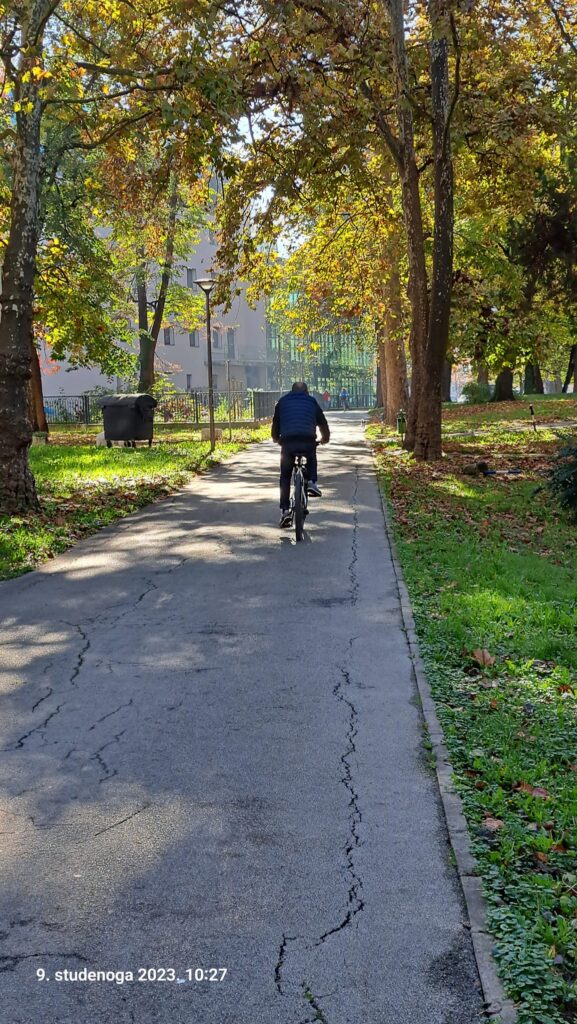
(287, 459)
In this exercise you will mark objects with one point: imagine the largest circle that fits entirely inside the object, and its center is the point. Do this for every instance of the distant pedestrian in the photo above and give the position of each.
(326, 399)
(344, 398)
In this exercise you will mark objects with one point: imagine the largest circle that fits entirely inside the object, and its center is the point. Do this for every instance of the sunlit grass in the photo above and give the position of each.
(83, 488)
(491, 563)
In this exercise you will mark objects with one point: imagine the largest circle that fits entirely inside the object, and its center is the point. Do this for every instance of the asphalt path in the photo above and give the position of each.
(212, 761)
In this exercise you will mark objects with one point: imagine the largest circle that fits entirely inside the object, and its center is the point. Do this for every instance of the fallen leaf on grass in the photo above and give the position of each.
(493, 824)
(483, 657)
(537, 791)
(541, 857)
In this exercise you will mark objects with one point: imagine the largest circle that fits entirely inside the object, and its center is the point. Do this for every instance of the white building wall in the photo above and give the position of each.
(249, 364)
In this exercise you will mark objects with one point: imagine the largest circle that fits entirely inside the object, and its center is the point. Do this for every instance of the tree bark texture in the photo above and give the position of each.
(428, 427)
(570, 369)
(504, 386)
(533, 381)
(149, 340)
(403, 151)
(430, 318)
(395, 377)
(17, 488)
(39, 421)
(446, 382)
(482, 373)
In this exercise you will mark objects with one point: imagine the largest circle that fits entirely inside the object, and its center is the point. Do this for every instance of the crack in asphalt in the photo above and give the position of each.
(280, 961)
(126, 611)
(116, 824)
(319, 1014)
(45, 697)
(97, 756)
(110, 714)
(355, 903)
(10, 963)
(83, 651)
(37, 728)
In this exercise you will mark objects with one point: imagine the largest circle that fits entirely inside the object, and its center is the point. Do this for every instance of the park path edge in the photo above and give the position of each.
(498, 1008)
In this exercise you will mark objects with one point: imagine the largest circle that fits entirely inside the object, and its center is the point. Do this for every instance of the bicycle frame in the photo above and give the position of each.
(299, 496)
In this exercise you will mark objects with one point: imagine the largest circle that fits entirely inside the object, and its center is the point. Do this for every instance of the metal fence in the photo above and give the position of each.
(183, 407)
(190, 406)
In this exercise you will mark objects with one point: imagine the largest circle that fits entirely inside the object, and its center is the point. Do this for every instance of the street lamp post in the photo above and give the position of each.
(207, 284)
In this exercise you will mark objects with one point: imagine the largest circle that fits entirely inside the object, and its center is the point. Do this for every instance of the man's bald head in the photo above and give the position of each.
(299, 385)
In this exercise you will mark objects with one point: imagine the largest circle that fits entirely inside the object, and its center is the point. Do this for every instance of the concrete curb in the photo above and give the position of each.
(498, 1008)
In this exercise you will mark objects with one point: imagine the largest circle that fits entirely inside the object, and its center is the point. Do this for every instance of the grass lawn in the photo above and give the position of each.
(491, 568)
(83, 488)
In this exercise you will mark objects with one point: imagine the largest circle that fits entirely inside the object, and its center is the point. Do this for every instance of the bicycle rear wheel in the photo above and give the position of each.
(299, 506)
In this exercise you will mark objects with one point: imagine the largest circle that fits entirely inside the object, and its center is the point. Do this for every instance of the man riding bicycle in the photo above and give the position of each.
(294, 426)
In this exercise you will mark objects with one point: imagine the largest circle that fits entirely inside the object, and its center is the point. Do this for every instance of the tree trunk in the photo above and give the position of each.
(482, 373)
(145, 342)
(17, 488)
(504, 386)
(403, 152)
(396, 389)
(149, 340)
(428, 429)
(39, 421)
(533, 382)
(571, 368)
(379, 395)
(446, 381)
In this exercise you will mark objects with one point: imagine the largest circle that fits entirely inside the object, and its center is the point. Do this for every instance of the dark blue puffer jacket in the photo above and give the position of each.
(296, 418)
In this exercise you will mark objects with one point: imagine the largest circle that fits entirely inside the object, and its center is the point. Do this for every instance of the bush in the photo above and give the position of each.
(477, 394)
(563, 475)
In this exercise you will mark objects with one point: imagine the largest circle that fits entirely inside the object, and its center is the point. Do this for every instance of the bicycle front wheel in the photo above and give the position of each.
(299, 507)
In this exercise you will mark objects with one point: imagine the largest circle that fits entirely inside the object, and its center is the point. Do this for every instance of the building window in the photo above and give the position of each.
(169, 335)
(188, 381)
(252, 376)
(230, 342)
(190, 276)
(194, 339)
(216, 339)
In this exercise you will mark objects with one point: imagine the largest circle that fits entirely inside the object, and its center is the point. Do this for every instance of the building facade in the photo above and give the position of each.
(239, 345)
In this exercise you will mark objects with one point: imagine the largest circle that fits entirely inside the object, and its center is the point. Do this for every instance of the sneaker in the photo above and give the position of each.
(313, 489)
(285, 518)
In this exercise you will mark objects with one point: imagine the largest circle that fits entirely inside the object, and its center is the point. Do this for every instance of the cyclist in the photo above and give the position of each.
(344, 397)
(294, 426)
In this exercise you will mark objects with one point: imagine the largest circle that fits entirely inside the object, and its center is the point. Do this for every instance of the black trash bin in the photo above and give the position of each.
(128, 418)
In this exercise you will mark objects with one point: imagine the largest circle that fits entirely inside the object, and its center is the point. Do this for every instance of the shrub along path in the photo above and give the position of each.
(491, 567)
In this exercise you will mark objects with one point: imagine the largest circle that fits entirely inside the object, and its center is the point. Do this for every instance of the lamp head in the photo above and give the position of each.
(206, 283)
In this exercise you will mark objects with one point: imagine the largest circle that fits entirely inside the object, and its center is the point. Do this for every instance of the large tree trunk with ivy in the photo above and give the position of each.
(17, 488)
(504, 386)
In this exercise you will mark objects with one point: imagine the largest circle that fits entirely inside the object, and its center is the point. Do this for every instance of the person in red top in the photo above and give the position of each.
(327, 399)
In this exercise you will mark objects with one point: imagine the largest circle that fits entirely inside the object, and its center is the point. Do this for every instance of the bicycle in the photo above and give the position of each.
(299, 496)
